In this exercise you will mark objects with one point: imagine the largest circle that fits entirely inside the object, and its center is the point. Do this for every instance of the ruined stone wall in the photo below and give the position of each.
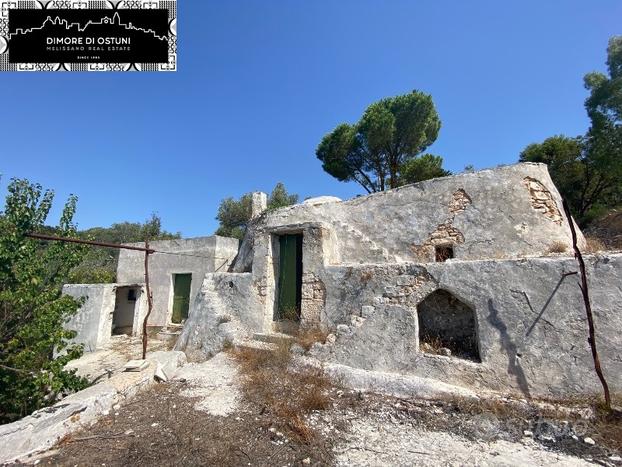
(506, 212)
(93, 321)
(369, 262)
(530, 322)
(226, 310)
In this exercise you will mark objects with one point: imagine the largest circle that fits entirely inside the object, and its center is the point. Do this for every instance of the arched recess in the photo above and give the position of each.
(447, 323)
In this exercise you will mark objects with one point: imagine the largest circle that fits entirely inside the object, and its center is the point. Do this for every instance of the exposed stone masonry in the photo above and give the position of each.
(459, 202)
(313, 300)
(542, 200)
(445, 233)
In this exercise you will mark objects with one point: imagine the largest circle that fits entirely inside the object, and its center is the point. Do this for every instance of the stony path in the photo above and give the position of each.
(214, 383)
(202, 418)
(373, 443)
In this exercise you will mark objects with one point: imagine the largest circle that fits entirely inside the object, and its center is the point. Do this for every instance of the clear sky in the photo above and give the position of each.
(260, 82)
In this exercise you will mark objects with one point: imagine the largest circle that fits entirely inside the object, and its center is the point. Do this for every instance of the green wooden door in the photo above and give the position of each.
(181, 297)
(290, 277)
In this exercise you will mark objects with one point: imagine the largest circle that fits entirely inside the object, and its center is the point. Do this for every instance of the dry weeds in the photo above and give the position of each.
(557, 247)
(594, 245)
(269, 379)
(307, 337)
(587, 412)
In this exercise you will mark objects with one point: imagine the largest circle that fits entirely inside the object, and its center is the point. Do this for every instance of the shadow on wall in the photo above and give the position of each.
(510, 348)
(541, 314)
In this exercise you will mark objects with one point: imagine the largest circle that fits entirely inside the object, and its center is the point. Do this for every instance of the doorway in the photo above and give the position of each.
(181, 297)
(289, 281)
(125, 310)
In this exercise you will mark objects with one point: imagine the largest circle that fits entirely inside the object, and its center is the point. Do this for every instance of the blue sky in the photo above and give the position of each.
(260, 82)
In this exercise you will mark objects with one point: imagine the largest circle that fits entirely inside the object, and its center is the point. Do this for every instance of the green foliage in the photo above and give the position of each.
(588, 169)
(234, 215)
(563, 155)
(391, 132)
(422, 168)
(34, 346)
(280, 198)
(100, 264)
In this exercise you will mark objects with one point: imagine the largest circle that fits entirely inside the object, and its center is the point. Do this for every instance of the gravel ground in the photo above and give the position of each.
(203, 418)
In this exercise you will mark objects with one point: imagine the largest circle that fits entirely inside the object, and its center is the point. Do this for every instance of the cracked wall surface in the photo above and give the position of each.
(313, 300)
(485, 214)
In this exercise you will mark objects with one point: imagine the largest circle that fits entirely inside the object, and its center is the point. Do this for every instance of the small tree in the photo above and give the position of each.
(390, 133)
(422, 168)
(588, 169)
(234, 215)
(34, 346)
(280, 198)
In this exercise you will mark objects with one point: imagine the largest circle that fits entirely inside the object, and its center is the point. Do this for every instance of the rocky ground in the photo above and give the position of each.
(206, 416)
(101, 364)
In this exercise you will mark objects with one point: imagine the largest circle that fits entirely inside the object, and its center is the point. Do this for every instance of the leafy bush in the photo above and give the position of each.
(34, 347)
(100, 264)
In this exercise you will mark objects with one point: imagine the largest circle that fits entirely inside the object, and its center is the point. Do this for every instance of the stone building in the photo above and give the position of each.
(176, 273)
(462, 279)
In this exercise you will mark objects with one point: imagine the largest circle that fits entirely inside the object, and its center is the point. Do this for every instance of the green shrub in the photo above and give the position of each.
(34, 347)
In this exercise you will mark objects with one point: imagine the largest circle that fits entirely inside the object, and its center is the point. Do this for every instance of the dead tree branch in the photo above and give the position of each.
(588, 307)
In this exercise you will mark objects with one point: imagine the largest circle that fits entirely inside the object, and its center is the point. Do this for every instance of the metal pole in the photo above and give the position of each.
(87, 242)
(149, 297)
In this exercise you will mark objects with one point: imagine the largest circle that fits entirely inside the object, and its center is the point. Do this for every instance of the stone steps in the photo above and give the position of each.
(377, 252)
(256, 345)
(273, 338)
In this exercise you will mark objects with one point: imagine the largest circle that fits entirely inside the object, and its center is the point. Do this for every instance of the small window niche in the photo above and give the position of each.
(443, 252)
(447, 326)
(132, 296)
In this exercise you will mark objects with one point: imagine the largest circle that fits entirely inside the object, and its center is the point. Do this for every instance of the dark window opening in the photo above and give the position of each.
(447, 327)
(443, 253)
(131, 295)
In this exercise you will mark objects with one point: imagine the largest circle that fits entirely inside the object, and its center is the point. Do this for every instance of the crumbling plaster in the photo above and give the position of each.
(486, 214)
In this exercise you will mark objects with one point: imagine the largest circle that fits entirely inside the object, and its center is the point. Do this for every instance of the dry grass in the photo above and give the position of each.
(307, 337)
(431, 345)
(594, 245)
(269, 380)
(290, 314)
(557, 247)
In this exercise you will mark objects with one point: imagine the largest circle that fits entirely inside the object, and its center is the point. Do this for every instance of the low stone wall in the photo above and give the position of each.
(93, 322)
(528, 320)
